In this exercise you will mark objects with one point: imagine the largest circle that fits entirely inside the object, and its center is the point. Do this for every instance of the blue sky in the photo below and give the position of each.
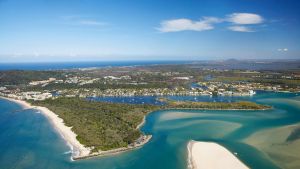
(75, 30)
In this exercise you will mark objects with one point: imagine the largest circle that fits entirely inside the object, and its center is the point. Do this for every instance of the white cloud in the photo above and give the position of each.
(245, 18)
(183, 24)
(240, 29)
(238, 22)
(283, 49)
(91, 23)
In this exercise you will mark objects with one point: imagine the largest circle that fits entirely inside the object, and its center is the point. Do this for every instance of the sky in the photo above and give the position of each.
(107, 30)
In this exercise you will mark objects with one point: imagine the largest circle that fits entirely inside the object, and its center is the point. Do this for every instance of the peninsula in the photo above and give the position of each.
(101, 128)
(107, 128)
(93, 128)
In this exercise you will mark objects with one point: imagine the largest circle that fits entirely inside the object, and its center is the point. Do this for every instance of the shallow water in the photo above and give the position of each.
(27, 140)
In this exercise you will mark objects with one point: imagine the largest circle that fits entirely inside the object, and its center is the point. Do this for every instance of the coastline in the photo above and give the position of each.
(145, 139)
(203, 155)
(66, 132)
(79, 151)
(141, 124)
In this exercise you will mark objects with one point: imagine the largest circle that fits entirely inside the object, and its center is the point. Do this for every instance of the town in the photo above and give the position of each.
(144, 81)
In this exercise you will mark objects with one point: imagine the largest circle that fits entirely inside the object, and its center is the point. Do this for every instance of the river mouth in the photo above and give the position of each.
(258, 137)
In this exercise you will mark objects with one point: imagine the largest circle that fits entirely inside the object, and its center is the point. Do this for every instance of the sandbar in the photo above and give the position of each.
(209, 155)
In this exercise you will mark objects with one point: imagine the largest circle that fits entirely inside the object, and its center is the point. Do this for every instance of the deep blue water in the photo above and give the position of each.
(71, 65)
(27, 140)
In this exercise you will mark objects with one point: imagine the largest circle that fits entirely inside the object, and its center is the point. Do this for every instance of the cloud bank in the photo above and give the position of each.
(283, 50)
(245, 18)
(237, 21)
(176, 25)
(240, 29)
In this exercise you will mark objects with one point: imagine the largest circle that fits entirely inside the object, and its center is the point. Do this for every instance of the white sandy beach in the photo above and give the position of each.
(78, 150)
(208, 155)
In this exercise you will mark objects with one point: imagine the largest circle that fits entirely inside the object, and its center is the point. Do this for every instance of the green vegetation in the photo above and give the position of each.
(149, 77)
(283, 82)
(102, 125)
(97, 85)
(213, 105)
(231, 79)
(17, 77)
(107, 126)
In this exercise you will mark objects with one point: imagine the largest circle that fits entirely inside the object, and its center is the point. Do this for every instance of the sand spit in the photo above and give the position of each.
(208, 155)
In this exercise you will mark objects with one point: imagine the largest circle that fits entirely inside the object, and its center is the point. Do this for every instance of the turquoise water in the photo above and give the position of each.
(27, 140)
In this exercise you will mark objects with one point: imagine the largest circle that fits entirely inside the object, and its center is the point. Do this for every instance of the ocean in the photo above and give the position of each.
(28, 141)
(212, 64)
(75, 65)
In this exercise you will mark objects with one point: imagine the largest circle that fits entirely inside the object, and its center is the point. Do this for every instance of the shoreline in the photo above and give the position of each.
(145, 138)
(203, 155)
(79, 151)
(141, 124)
(59, 126)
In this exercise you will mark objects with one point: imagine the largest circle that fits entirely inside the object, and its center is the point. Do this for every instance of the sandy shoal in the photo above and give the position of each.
(208, 155)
